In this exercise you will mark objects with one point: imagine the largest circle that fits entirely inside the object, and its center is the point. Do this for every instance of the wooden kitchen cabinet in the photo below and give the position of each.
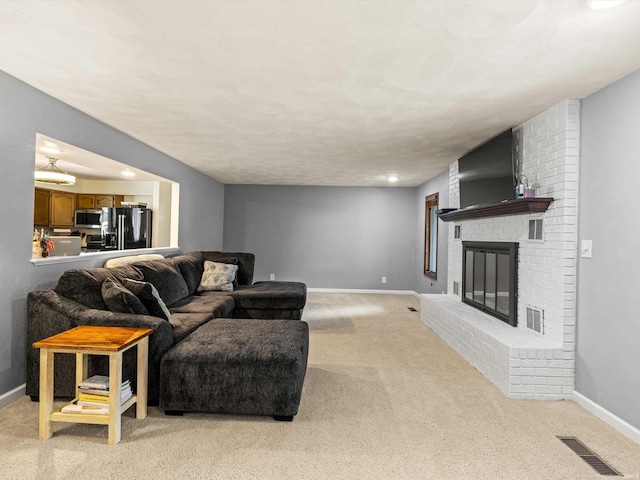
(85, 201)
(103, 201)
(63, 205)
(56, 209)
(41, 207)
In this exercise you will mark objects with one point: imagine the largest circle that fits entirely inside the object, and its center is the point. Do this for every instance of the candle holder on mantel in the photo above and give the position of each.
(522, 188)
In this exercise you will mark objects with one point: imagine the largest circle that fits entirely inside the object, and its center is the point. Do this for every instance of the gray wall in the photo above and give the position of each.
(608, 329)
(26, 111)
(424, 284)
(327, 237)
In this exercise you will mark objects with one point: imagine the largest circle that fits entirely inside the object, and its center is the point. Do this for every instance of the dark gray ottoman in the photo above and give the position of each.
(237, 366)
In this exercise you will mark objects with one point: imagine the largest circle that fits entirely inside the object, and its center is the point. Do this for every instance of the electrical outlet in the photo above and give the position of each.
(384, 279)
(272, 276)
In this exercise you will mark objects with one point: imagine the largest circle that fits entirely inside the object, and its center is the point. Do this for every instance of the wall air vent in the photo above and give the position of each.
(535, 230)
(535, 319)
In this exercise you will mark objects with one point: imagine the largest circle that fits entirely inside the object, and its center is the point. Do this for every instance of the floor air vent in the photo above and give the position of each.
(412, 309)
(588, 456)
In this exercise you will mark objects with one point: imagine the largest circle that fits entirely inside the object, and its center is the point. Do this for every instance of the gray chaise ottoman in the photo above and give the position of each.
(237, 366)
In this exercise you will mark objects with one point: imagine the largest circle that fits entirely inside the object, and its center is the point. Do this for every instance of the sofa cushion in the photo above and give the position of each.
(217, 277)
(120, 299)
(85, 286)
(185, 323)
(245, 262)
(166, 277)
(265, 314)
(191, 266)
(269, 295)
(219, 306)
(150, 298)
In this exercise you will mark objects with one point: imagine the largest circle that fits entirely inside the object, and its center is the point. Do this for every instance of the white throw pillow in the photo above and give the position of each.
(120, 261)
(218, 277)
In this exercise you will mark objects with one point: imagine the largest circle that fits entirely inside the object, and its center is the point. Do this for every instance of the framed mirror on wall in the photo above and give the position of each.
(431, 236)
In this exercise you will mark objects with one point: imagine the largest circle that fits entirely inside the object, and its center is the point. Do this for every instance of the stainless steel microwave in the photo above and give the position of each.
(88, 219)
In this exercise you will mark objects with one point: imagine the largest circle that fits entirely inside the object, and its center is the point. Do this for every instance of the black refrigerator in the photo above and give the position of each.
(125, 228)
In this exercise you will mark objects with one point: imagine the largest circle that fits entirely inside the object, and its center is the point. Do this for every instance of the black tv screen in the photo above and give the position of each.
(486, 173)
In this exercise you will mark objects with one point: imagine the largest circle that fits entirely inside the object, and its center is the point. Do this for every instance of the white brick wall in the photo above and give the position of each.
(548, 147)
(454, 267)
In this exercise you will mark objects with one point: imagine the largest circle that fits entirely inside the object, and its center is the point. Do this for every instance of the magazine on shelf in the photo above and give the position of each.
(95, 405)
(92, 397)
(102, 404)
(100, 382)
(88, 409)
(98, 391)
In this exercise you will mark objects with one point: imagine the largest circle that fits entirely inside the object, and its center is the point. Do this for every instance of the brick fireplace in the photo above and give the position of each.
(534, 360)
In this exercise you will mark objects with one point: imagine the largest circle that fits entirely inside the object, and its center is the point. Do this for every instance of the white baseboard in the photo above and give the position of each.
(355, 290)
(13, 395)
(605, 415)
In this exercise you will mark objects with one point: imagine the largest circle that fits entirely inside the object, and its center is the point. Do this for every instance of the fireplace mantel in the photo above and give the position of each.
(499, 209)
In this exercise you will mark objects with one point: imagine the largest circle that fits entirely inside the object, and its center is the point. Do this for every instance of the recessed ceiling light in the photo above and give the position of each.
(393, 178)
(602, 4)
(128, 173)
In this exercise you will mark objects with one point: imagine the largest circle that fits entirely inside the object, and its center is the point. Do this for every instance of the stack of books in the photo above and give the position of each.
(93, 396)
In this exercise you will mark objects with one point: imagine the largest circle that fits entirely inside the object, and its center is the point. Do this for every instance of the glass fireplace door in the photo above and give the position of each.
(489, 279)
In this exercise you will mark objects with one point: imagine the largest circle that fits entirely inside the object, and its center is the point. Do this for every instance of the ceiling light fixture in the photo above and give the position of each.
(53, 150)
(602, 4)
(393, 178)
(52, 174)
(128, 173)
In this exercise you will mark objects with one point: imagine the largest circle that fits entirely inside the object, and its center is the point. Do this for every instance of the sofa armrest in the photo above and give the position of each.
(49, 313)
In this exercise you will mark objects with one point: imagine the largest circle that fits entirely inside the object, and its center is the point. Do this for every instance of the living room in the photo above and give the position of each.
(347, 238)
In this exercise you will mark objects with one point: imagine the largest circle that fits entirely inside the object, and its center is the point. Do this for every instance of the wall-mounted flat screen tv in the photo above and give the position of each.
(486, 172)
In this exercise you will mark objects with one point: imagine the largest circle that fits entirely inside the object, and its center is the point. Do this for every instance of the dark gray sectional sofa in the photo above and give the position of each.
(223, 352)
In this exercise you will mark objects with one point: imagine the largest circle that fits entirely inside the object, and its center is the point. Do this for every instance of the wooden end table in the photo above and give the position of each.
(89, 340)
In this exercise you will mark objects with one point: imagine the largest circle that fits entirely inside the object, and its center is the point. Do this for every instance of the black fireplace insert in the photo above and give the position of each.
(490, 278)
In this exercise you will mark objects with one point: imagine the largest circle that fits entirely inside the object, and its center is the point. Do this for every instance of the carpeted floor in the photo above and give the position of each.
(384, 398)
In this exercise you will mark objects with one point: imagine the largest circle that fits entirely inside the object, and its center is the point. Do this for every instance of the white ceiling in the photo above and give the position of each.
(319, 92)
(84, 164)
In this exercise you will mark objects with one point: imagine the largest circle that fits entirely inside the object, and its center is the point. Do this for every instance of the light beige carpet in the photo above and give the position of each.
(384, 398)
